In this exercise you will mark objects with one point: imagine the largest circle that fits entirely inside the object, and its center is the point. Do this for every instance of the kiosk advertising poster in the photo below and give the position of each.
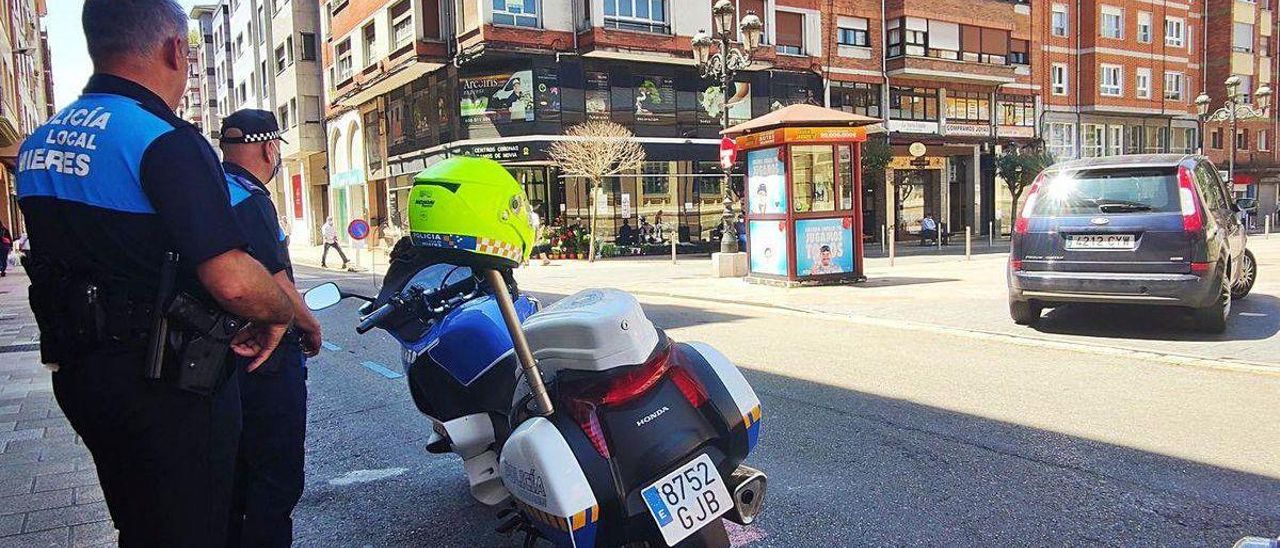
(824, 246)
(766, 183)
(768, 251)
(497, 99)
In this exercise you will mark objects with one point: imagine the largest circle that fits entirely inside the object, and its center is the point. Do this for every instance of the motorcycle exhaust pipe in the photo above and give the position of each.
(747, 487)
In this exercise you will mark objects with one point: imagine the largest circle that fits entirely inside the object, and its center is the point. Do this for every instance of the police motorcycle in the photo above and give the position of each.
(581, 422)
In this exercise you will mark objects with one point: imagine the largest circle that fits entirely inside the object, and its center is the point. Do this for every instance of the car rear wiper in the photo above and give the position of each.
(1123, 207)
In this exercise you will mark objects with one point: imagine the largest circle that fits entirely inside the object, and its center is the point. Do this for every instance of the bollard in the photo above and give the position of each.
(891, 250)
(968, 243)
(1266, 227)
(673, 249)
(991, 234)
(882, 236)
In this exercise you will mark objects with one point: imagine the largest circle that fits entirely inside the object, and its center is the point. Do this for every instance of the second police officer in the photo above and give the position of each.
(269, 474)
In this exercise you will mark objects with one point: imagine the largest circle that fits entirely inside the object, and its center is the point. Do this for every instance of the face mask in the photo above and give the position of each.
(275, 168)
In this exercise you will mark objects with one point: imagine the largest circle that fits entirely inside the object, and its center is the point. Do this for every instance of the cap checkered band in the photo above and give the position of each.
(499, 248)
(260, 137)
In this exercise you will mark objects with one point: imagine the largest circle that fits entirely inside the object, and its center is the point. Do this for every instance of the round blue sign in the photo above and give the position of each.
(358, 229)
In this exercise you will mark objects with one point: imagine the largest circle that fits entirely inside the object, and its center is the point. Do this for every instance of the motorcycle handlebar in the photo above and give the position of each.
(371, 321)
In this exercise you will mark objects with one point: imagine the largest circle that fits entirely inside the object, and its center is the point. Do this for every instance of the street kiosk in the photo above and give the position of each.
(803, 194)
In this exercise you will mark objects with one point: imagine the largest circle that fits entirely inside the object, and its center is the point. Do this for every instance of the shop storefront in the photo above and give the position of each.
(511, 109)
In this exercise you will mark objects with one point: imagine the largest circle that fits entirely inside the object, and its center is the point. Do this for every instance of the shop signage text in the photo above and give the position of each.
(804, 134)
(347, 178)
(924, 162)
(912, 126)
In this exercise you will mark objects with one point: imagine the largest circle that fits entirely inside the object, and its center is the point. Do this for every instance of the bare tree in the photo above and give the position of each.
(596, 150)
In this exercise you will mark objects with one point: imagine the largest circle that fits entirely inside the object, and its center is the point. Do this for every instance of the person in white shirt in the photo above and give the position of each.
(535, 220)
(928, 229)
(330, 236)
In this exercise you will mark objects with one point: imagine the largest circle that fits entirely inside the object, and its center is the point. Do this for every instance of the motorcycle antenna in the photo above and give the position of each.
(531, 372)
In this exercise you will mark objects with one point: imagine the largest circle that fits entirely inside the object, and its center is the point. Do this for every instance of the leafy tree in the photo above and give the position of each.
(1019, 167)
(596, 150)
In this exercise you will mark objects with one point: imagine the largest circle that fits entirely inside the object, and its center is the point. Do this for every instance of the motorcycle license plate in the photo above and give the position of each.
(687, 499)
(1100, 241)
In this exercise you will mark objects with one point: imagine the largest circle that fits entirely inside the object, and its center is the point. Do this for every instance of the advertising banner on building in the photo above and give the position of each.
(766, 182)
(547, 94)
(768, 247)
(711, 101)
(824, 246)
(597, 95)
(655, 100)
(497, 99)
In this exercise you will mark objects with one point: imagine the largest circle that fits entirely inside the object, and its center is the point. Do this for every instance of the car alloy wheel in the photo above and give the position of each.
(1248, 275)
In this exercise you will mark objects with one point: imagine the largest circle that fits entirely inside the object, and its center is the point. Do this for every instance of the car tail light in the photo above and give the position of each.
(1023, 222)
(1199, 268)
(590, 394)
(1189, 199)
(1015, 264)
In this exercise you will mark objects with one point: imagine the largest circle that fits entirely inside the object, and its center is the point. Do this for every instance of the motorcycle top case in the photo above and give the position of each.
(548, 484)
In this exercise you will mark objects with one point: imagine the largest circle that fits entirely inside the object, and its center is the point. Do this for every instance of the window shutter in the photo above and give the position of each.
(1018, 46)
(971, 38)
(944, 35)
(995, 42)
(790, 29)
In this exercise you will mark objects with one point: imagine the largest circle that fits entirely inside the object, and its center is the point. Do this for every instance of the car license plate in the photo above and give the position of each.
(686, 499)
(1100, 241)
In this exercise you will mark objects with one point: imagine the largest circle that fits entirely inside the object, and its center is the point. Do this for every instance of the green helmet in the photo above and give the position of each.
(471, 204)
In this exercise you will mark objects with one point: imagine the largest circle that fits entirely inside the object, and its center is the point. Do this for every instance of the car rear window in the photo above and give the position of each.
(1109, 191)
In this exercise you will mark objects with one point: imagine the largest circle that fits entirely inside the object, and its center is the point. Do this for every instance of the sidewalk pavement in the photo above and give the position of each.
(49, 494)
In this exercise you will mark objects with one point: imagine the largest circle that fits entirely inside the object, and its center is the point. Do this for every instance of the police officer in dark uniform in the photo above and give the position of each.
(140, 283)
(269, 474)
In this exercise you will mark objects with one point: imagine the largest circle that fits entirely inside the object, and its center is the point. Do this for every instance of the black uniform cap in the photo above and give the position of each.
(250, 126)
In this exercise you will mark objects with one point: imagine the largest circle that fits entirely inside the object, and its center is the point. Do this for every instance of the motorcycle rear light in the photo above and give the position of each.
(1199, 268)
(1189, 200)
(588, 397)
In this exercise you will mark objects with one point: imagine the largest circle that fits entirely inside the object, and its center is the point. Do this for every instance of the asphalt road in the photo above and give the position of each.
(872, 436)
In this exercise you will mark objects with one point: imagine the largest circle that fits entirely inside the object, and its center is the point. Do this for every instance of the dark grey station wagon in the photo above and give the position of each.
(1157, 229)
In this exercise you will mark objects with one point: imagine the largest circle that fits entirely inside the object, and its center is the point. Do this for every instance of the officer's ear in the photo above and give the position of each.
(175, 52)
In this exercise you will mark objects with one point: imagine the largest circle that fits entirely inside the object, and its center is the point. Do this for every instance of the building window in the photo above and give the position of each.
(280, 59)
(1264, 140)
(312, 111)
(335, 6)
(1017, 110)
(282, 112)
(1018, 52)
(516, 13)
(308, 46)
(638, 15)
(1061, 141)
(345, 63)
(908, 36)
(1175, 32)
(984, 45)
(853, 32)
(1112, 22)
(293, 109)
(1242, 37)
(1215, 139)
(1242, 140)
(1142, 83)
(1093, 138)
(1059, 24)
(288, 48)
(908, 103)
(370, 43)
(968, 106)
(1059, 78)
(1156, 140)
(1134, 145)
(1144, 27)
(401, 24)
(790, 32)
(1110, 80)
(944, 40)
(1115, 140)
(1173, 86)
(265, 80)
(261, 25)
(1265, 46)
(856, 97)
(239, 49)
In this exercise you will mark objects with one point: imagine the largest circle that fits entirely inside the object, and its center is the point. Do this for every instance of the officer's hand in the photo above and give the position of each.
(258, 341)
(311, 338)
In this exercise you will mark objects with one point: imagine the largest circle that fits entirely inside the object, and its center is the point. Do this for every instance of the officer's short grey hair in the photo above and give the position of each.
(114, 28)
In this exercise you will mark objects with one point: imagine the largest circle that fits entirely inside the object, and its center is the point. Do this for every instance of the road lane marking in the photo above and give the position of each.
(330, 346)
(382, 370)
(364, 476)
(1227, 364)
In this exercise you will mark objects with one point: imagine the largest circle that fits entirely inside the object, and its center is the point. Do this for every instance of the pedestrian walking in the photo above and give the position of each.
(129, 220)
(269, 470)
(6, 246)
(330, 236)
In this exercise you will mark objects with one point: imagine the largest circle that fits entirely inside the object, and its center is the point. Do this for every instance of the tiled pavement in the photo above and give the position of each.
(49, 493)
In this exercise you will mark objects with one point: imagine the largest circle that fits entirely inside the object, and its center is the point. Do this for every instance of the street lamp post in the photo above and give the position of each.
(723, 65)
(1233, 109)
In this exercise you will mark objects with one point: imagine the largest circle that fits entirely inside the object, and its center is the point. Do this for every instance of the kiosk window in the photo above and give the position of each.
(813, 178)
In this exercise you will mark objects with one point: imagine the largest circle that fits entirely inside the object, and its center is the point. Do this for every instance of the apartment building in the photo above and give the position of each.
(191, 106)
(265, 55)
(206, 73)
(1240, 43)
(26, 91)
(413, 81)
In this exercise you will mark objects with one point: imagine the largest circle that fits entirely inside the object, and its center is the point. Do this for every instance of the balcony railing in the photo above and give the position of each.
(636, 24)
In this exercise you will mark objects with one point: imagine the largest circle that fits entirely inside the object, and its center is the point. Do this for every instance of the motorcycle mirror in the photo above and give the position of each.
(322, 296)
(1257, 542)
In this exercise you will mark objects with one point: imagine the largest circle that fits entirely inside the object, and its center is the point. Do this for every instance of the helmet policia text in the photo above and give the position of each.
(472, 205)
